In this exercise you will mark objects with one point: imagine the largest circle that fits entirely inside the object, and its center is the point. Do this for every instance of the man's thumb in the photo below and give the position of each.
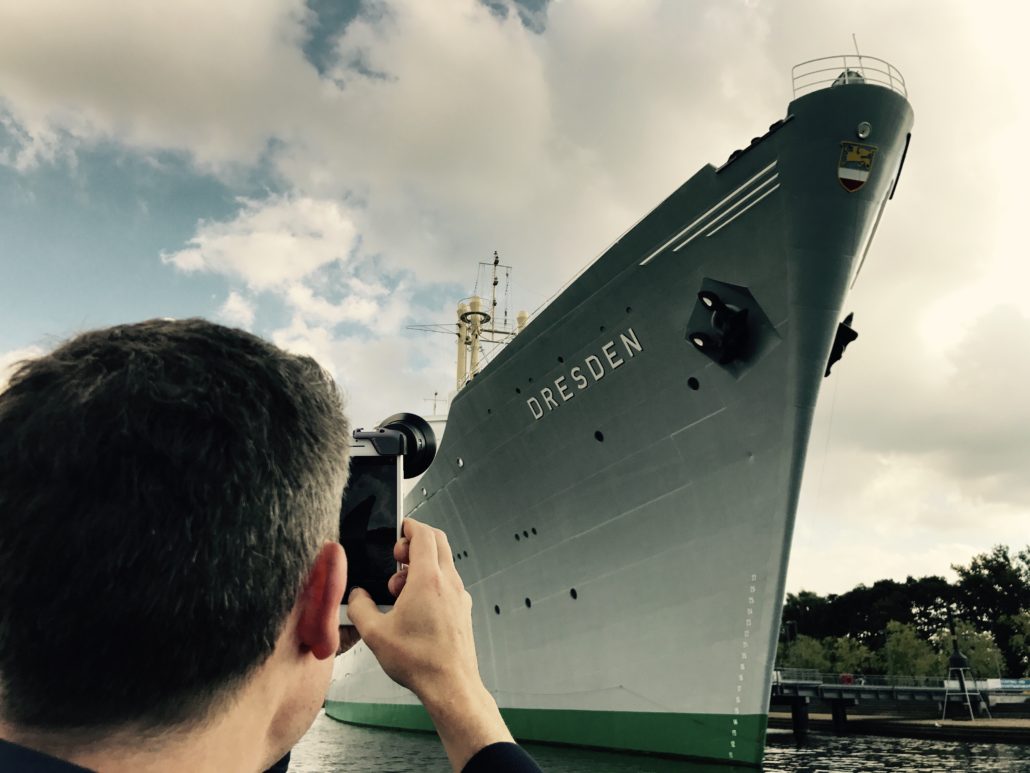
(361, 610)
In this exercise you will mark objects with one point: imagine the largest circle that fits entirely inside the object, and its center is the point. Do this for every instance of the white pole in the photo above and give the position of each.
(462, 346)
(475, 326)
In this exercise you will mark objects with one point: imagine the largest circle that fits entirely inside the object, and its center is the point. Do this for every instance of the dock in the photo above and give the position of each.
(1008, 730)
(989, 711)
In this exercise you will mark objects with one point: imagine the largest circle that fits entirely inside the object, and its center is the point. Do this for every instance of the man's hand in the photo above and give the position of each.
(425, 643)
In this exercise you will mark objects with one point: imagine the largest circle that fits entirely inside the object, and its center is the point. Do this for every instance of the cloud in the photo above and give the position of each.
(201, 76)
(237, 311)
(460, 130)
(352, 309)
(963, 414)
(433, 133)
(379, 375)
(917, 458)
(271, 243)
(10, 359)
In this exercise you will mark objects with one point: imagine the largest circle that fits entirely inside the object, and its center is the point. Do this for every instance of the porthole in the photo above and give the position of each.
(561, 359)
(497, 609)
(601, 328)
(465, 553)
(573, 594)
(693, 383)
(525, 534)
(424, 492)
(629, 309)
(489, 411)
(528, 603)
(530, 379)
(518, 391)
(533, 530)
(461, 462)
(599, 436)
(517, 537)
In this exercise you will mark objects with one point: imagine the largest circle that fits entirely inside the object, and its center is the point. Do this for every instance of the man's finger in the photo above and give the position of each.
(443, 550)
(397, 582)
(362, 611)
(401, 551)
(422, 545)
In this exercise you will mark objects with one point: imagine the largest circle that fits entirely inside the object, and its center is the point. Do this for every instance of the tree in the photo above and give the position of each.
(992, 596)
(985, 659)
(863, 612)
(1020, 641)
(849, 656)
(806, 611)
(906, 654)
(931, 599)
(993, 591)
(806, 652)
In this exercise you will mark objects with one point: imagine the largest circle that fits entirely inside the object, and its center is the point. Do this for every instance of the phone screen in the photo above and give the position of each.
(368, 524)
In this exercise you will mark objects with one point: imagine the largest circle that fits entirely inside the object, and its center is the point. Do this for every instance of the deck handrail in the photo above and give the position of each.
(844, 69)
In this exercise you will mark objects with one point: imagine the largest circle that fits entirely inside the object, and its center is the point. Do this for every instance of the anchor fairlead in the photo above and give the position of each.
(727, 336)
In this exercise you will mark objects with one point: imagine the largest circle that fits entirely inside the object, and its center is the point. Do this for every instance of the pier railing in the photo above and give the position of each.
(844, 69)
(873, 680)
(811, 679)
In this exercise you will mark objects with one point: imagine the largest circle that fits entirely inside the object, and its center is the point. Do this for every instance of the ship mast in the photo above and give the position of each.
(476, 325)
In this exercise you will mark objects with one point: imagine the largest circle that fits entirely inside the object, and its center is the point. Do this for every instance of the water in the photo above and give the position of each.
(333, 746)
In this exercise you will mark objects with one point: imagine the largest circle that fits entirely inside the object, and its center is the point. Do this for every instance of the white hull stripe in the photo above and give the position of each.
(705, 220)
(745, 209)
(729, 211)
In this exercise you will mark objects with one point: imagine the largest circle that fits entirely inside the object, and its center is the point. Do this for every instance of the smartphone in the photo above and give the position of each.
(371, 514)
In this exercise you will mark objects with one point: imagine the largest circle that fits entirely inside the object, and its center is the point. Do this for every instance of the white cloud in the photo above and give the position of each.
(473, 134)
(311, 341)
(351, 309)
(9, 359)
(270, 243)
(218, 79)
(237, 311)
(379, 375)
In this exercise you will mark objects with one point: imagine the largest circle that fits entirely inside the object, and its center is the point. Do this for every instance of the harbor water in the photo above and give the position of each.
(333, 746)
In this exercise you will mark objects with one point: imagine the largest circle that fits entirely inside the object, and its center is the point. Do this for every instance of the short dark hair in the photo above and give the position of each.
(164, 489)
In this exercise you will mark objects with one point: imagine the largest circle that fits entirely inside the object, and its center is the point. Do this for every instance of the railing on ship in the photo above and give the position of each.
(844, 69)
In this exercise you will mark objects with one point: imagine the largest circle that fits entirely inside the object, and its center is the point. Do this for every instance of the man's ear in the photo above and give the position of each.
(319, 623)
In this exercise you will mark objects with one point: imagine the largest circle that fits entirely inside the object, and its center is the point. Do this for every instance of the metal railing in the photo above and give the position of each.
(811, 675)
(844, 69)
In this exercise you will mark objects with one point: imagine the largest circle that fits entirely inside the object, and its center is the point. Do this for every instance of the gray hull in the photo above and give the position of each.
(620, 503)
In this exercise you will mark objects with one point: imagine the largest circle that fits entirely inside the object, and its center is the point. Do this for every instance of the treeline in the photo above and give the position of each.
(902, 628)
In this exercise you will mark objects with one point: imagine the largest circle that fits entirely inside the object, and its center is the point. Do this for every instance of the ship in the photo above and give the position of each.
(619, 484)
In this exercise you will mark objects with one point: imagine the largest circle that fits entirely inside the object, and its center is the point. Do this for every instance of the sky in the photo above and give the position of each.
(326, 174)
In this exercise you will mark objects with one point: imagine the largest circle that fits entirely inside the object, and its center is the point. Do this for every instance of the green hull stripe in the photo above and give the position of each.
(705, 736)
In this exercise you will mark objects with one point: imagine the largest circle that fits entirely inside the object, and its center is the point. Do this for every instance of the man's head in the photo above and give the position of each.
(165, 488)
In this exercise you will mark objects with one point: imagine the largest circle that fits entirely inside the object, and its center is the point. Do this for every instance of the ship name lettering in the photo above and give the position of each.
(609, 352)
(563, 388)
(631, 342)
(549, 400)
(545, 402)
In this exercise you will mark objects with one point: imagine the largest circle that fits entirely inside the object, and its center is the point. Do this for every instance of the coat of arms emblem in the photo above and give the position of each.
(856, 161)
